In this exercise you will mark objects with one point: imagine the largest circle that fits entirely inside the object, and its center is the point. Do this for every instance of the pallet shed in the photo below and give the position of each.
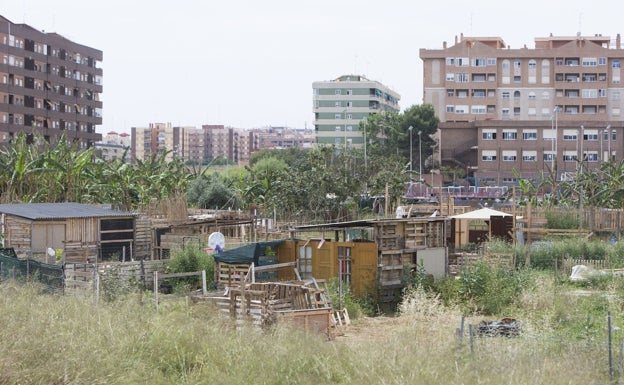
(75, 232)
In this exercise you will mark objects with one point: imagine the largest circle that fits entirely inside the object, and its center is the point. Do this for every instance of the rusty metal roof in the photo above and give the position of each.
(48, 211)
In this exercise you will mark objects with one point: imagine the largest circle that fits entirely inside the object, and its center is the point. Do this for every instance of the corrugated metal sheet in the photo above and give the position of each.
(36, 211)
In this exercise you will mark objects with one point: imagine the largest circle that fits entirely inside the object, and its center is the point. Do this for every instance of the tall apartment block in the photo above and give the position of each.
(49, 85)
(184, 143)
(340, 105)
(529, 110)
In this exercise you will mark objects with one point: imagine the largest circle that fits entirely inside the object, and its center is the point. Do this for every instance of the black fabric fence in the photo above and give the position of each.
(50, 276)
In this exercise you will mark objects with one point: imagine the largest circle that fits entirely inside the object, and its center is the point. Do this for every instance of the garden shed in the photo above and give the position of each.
(67, 232)
(480, 225)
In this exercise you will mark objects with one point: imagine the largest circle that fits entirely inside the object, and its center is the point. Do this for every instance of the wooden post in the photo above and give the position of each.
(204, 288)
(156, 291)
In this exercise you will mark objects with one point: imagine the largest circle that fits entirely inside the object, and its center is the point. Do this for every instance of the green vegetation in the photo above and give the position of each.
(71, 340)
(188, 259)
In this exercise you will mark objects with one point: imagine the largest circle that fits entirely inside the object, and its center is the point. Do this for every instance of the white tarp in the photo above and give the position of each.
(484, 213)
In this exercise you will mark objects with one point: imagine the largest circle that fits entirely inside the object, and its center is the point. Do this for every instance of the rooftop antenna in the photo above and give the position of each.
(580, 23)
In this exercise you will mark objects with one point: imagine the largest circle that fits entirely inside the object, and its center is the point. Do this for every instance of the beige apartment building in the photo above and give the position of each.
(530, 110)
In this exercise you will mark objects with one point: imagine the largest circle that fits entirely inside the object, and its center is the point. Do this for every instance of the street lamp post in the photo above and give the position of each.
(420, 156)
(609, 142)
(410, 128)
(582, 153)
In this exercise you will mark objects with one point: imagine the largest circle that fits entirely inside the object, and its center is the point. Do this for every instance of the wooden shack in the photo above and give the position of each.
(67, 232)
(375, 254)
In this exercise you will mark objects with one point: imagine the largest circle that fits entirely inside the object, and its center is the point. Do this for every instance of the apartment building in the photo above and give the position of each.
(114, 146)
(341, 104)
(49, 85)
(529, 110)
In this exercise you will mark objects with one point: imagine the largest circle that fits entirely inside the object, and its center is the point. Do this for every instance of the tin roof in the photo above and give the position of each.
(59, 211)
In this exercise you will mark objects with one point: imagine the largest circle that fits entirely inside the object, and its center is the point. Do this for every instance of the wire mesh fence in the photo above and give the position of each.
(11, 267)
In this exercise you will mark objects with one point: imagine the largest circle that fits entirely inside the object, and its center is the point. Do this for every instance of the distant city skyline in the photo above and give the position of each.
(250, 64)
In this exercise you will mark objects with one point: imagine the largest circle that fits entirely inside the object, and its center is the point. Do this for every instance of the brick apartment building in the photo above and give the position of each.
(531, 110)
(49, 85)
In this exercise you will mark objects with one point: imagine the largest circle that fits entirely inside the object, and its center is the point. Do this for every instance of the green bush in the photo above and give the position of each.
(561, 220)
(191, 258)
(490, 289)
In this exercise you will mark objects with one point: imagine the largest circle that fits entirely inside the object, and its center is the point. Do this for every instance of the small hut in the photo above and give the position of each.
(67, 232)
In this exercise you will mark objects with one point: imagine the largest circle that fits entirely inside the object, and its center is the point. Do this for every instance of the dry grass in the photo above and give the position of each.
(68, 340)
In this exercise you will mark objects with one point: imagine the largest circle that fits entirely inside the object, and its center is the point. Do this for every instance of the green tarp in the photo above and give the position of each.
(248, 253)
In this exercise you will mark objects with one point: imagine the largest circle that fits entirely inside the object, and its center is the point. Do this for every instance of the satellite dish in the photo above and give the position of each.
(51, 252)
(216, 241)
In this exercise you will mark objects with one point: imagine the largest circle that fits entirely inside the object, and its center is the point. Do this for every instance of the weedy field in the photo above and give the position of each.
(50, 339)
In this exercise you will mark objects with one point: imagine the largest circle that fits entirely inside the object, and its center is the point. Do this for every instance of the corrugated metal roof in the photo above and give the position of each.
(59, 211)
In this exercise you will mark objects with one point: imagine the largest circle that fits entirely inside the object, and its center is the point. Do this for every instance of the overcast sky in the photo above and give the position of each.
(251, 63)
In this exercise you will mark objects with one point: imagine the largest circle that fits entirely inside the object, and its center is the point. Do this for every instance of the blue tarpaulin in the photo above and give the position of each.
(248, 253)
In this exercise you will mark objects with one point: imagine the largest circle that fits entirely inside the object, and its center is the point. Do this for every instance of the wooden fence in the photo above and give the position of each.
(85, 276)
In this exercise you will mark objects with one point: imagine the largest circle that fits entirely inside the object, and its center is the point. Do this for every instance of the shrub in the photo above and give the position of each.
(191, 258)
(561, 220)
(490, 289)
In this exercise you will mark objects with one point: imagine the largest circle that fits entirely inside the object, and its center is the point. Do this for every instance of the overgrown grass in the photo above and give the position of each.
(70, 340)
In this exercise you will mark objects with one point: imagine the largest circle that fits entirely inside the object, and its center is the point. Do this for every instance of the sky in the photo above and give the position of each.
(251, 63)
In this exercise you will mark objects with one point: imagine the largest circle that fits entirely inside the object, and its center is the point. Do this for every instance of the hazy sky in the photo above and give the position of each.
(251, 63)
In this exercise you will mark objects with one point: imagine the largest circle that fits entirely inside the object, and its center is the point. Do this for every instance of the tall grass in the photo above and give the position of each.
(70, 340)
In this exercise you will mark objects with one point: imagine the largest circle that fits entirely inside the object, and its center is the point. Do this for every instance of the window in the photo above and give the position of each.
(478, 77)
(463, 78)
(488, 155)
(545, 71)
(349, 128)
(450, 77)
(615, 95)
(338, 128)
(349, 116)
(462, 62)
(616, 63)
(516, 94)
(461, 109)
(338, 92)
(602, 61)
(517, 79)
(532, 111)
(349, 92)
(545, 95)
(478, 62)
(491, 61)
(478, 94)
(305, 262)
(548, 156)
(589, 94)
(531, 95)
(450, 93)
(529, 156)
(337, 116)
(516, 64)
(450, 108)
(589, 62)
(516, 110)
(510, 135)
(462, 94)
(590, 135)
(488, 134)
(509, 156)
(591, 156)
(338, 104)
(529, 135)
(349, 104)
(505, 94)
(344, 264)
(570, 135)
(477, 109)
(450, 61)
(505, 111)
(569, 156)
